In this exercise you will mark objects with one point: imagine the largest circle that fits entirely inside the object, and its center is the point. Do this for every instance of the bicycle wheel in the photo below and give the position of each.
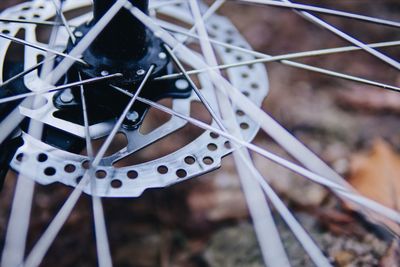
(84, 102)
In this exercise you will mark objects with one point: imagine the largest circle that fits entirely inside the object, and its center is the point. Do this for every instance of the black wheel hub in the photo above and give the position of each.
(125, 46)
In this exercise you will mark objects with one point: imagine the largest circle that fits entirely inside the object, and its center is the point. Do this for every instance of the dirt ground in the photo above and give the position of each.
(204, 222)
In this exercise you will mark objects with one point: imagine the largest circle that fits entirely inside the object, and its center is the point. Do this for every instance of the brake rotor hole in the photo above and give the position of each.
(132, 174)
(42, 157)
(86, 164)
(208, 160)
(69, 168)
(50, 171)
(190, 160)
(212, 147)
(116, 184)
(181, 173)
(20, 157)
(101, 174)
(162, 169)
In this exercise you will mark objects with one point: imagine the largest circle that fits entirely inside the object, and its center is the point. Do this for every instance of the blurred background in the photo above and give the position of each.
(204, 222)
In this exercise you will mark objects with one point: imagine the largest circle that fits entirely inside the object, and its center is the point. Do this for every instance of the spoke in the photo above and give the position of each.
(18, 224)
(325, 181)
(281, 58)
(64, 20)
(325, 11)
(210, 11)
(23, 73)
(42, 48)
(160, 4)
(291, 144)
(31, 21)
(89, 146)
(39, 250)
(102, 244)
(16, 235)
(58, 88)
(302, 236)
(195, 88)
(347, 37)
(86, 41)
(9, 123)
(261, 56)
(173, 28)
(342, 76)
(267, 233)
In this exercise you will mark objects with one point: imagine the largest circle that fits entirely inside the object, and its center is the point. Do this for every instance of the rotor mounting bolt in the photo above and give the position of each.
(67, 96)
(181, 84)
(162, 55)
(140, 72)
(104, 73)
(78, 34)
(132, 116)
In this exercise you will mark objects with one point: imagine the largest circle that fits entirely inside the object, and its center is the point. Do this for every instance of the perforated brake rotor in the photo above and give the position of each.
(46, 164)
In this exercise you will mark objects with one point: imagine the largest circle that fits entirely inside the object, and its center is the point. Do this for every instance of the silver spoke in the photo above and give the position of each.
(210, 11)
(160, 4)
(267, 234)
(31, 21)
(64, 21)
(59, 88)
(342, 75)
(325, 11)
(8, 124)
(18, 224)
(41, 48)
(302, 236)
(173, 28)
(340, 189)
(102, 244)
(77, 51)
(291, 144)
(39, 250)
(348, 38)
(194, 86)
(23, 73)
(265, 58)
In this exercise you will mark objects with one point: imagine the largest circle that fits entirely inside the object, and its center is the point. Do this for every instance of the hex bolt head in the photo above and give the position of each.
(182, 84)
(140, 72)
(104, 73)
(78, 34)
(66, 96)
(132, 116)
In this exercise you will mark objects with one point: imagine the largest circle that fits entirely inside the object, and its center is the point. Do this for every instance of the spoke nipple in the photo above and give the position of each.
(140, 72)
(104, 73)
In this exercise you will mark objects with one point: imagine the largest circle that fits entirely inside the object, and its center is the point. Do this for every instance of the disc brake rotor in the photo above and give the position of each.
(47, 164)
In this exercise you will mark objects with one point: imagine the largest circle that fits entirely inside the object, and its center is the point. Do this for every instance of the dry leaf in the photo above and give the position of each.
(376, 175)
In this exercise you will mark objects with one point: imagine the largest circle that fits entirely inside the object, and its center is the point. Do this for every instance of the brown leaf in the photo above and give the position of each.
(376, 175)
